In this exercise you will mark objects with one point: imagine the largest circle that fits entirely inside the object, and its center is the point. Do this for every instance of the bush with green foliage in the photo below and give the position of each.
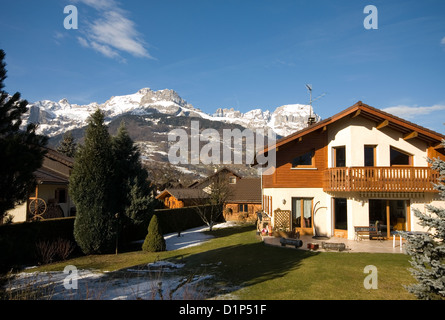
(154, 241)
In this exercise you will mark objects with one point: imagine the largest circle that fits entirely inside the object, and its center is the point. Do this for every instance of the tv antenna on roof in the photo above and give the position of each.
(311, 119)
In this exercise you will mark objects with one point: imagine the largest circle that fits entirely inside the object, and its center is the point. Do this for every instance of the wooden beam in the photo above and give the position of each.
(356, 114)
(324, 129)
(410, 135)
(382, 124)
(300, 139)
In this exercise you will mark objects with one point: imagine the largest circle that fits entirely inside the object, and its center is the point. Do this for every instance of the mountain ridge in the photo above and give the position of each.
(55, 117)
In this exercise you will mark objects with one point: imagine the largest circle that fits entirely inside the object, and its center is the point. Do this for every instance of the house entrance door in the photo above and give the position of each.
(391, 215)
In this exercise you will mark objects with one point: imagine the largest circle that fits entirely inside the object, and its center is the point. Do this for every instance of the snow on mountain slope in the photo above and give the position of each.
(283, 121)
(57, 117)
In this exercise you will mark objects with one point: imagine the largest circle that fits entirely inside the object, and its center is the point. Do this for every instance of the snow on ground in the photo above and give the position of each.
(191, 237)
(155, 281)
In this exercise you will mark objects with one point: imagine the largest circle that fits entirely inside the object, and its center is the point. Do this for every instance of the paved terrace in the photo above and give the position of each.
(365, 245)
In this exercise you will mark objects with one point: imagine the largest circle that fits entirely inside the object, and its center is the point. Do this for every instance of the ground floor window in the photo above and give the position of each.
(242, 208)
(391, 215)
(340, 214)
(302, 212)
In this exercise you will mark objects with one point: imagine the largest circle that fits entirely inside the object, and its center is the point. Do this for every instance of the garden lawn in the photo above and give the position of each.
(243, 267)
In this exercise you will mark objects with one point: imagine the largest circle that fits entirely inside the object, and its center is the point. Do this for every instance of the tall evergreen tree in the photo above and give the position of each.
(132, 179)
(94, 191)
(428, 250)
(21, 151)
(67, 146)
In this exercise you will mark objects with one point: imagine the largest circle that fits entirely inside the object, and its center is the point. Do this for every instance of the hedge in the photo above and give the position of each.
(18, 240)
(180, 219)
(170, 220)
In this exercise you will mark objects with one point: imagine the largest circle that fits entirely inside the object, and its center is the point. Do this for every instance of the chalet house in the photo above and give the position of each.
(359, 167)
(244, 201)
(243, 195)
(50, 198)
(183, 197)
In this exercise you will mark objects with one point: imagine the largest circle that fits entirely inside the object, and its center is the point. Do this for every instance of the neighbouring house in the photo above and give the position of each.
(360, 167)
(50, 198)
(244, 201)
(242, 194)
(183, 197)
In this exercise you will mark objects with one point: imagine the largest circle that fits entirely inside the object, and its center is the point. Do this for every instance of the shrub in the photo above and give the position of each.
(154, 241)
(49, 251)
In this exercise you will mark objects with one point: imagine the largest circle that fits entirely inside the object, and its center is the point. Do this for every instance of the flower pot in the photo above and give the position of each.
(312, 246)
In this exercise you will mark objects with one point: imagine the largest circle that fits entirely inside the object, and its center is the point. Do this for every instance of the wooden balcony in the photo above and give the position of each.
(380, 179)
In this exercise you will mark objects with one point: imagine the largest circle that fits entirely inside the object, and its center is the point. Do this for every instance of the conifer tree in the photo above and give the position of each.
(428, 250)
(67, 146)
(21, 150)
(154, 241)
(135, 192)
(93, 189)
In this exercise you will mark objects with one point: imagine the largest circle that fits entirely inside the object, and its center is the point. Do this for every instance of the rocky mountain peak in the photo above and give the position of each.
(57, 117)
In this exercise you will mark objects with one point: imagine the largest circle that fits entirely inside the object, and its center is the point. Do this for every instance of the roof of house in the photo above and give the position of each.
(246, 190)
(243, 191)
(382, 119)
(183, 194)
(226, 170)
(48, 176)
(55, 168)
(59, 157)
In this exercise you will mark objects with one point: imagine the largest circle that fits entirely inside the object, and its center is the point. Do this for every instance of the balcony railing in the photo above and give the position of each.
(381, 179)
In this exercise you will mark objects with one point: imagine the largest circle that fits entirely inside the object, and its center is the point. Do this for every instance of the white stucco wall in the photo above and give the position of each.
(322, 216)
(358, 132)
(421, 205)
(18, 214)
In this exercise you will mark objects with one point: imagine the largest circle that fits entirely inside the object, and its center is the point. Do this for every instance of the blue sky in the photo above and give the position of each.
(243, 54)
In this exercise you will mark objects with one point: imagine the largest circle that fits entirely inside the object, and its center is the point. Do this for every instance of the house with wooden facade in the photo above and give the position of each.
(174, 198)
(360, 167)
(244, 200)
(50, 199)
(242, 194)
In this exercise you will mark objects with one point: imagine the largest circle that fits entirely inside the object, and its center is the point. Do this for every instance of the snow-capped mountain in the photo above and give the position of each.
(58, 117)
(150, 115)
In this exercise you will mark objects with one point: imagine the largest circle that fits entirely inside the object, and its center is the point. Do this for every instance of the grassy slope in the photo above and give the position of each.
(238, 258)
